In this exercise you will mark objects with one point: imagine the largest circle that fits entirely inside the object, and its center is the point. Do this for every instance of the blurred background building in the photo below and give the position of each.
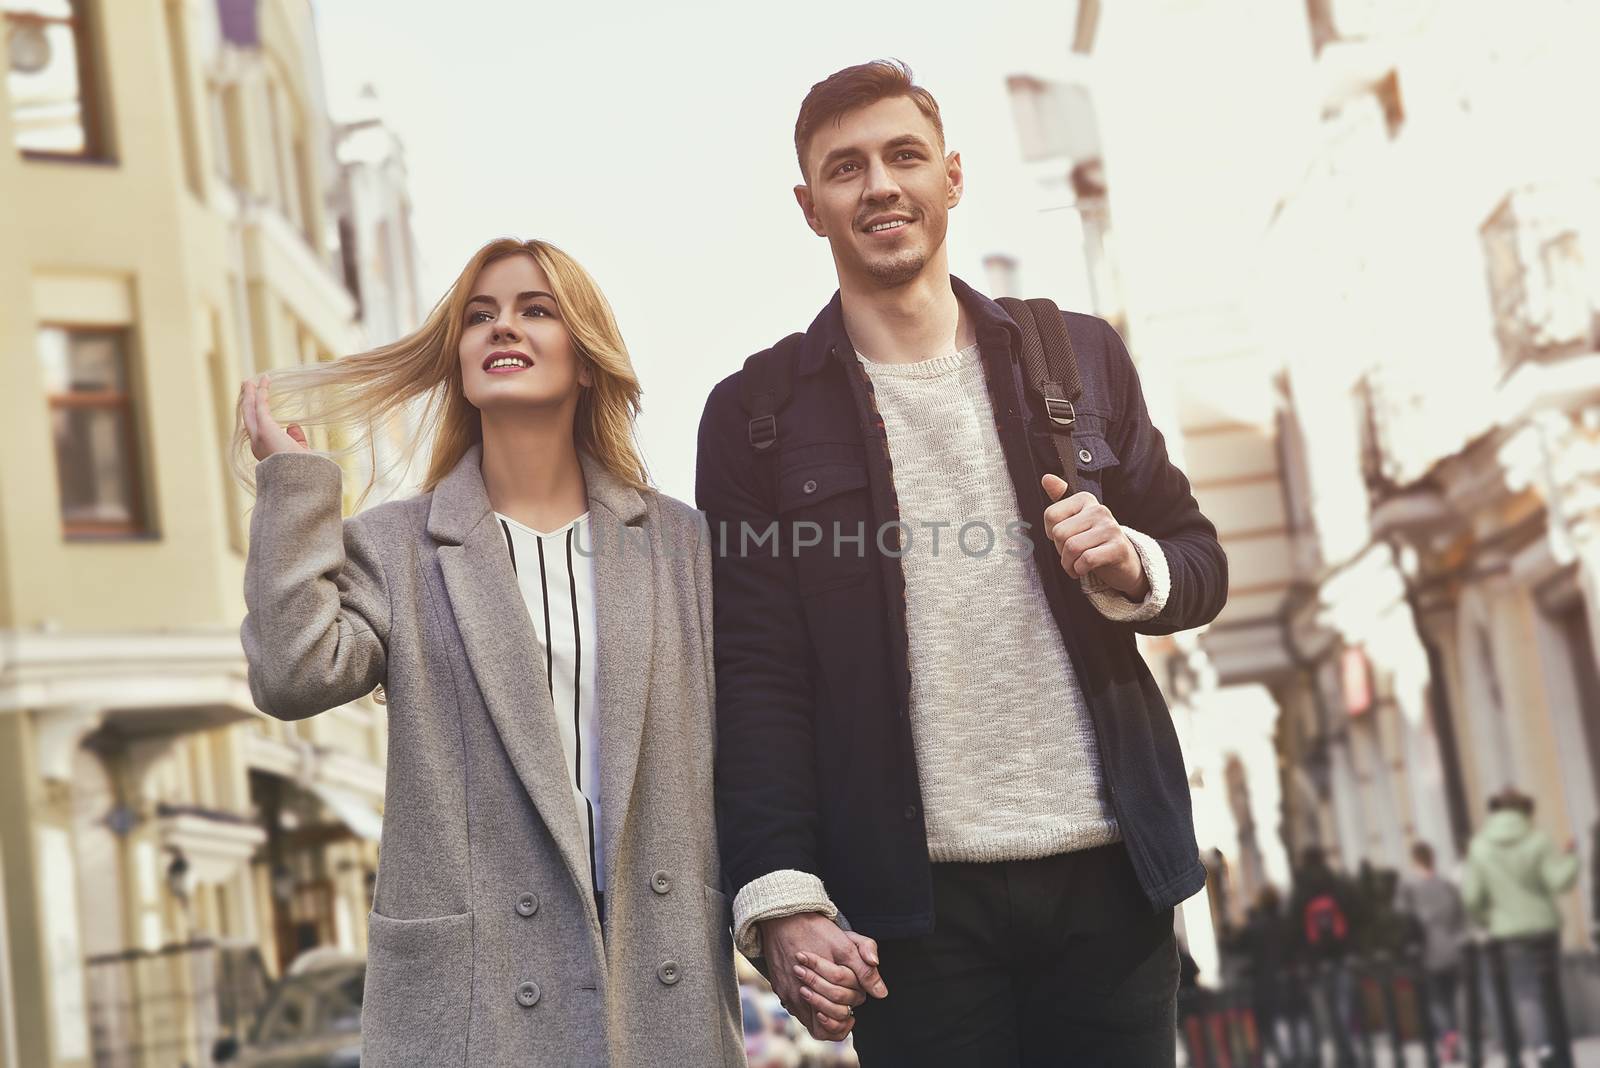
(1349, 248)
(180, 212)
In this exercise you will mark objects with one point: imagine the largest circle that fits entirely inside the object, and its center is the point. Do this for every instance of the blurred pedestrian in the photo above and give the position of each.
(1265, 953)
(1381, 928)
(1323, 911)
(1188, 969)
(1435, 904)
(1191, 1008)
(1514, 875)
(1594, 883)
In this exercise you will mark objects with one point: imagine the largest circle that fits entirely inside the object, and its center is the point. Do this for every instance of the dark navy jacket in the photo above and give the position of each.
(815, 768)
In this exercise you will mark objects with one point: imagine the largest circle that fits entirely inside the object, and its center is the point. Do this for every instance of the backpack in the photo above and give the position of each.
(1325, 921)
(1049, 363)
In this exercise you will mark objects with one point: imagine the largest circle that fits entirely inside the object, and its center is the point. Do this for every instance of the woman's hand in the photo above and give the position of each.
(266, 436)
(808, 948)
(831, 990)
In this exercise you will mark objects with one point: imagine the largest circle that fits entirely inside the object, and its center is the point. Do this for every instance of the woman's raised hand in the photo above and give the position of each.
(266, 436)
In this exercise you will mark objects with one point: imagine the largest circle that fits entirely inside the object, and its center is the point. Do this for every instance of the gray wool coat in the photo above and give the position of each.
(485, 947)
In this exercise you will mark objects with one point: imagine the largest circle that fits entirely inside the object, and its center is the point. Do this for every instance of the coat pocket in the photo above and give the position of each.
(418, 992)
(823, 509)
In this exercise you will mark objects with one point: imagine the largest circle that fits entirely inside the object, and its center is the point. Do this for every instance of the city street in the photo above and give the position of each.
(1292, 310)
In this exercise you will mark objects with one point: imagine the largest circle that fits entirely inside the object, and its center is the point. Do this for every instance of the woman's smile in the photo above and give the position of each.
(507, 361)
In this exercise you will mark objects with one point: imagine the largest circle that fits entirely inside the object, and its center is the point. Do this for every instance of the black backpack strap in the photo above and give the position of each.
(1051, 368)
(764, 389)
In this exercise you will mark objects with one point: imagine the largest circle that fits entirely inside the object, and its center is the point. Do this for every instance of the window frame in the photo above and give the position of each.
(93, 106)
(120, 400)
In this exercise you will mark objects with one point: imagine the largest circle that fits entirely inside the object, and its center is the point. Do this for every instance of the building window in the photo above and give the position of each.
(225, 396)
(285, 192)
(348, 261)
(183, 89)
(307, 217)
(227, 132)
(221, 149)
(92, 419)
(50, 78)
(1054, 120)
(1534, 246)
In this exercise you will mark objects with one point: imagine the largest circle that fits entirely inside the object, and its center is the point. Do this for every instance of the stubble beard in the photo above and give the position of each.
(897, 268)
(902, 266)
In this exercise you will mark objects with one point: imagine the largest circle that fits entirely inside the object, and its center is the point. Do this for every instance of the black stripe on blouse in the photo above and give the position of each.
(549, 646)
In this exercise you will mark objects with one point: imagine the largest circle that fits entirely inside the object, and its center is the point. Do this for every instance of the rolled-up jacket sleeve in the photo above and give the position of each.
(1120, 609)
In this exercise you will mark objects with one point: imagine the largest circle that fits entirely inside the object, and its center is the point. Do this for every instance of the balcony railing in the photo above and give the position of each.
(170, 1005)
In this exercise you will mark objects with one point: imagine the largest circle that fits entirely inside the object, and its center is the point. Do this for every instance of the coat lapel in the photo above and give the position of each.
(503, 647)
(624, 590)
(504, 651)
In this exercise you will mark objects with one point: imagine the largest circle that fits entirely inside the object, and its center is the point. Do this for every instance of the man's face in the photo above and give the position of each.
(880, 188)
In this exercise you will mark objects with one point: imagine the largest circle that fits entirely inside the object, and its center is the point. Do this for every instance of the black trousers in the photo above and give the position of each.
(1059, 961)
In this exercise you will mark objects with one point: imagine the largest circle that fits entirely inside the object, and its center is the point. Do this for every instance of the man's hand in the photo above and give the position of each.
(1089, 539)
(819, 971)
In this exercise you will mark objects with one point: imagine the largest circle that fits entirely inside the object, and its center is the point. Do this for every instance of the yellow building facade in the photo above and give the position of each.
(167, 170)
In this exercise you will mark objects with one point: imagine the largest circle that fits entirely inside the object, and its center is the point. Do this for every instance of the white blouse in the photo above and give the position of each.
(555, 572)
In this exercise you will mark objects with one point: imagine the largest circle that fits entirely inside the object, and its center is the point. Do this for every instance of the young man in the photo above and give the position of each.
(945, 778)
(1436, 904)
(1327, 921)
(1512, 885)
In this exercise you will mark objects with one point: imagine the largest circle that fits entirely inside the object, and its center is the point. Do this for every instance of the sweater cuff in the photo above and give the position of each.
(779, 893)
(1118, 608)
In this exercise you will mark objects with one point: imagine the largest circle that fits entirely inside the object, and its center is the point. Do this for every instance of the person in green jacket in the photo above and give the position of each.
(1514, 874)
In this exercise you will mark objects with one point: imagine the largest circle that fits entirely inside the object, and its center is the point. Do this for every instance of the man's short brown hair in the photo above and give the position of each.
(855, 87)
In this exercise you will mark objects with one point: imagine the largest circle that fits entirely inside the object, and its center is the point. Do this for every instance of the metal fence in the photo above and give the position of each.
(171, 1005)
(1361, 1011)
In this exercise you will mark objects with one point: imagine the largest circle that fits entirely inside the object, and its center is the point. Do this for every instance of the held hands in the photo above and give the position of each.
(1089, 539)
(820, 972)
(266, 436)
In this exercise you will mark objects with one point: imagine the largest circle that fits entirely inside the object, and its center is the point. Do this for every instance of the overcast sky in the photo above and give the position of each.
(654, 143)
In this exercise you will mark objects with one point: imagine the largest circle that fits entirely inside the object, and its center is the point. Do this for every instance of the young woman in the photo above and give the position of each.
(539, 619)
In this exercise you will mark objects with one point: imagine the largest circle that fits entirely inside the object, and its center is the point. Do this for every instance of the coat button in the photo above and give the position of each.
(669, 973)
(528, 994)
(527, 904)
(380, 695)
(661, 882)
(1085, 455)
(911, 812)
(810, 486)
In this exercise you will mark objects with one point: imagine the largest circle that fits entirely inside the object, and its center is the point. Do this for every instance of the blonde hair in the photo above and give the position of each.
(352, 396)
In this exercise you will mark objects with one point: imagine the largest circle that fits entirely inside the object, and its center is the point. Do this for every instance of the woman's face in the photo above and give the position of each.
(516, 351)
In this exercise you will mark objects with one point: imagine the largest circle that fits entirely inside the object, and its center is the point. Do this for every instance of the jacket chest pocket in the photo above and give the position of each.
(1096, 463)
(823, 513)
